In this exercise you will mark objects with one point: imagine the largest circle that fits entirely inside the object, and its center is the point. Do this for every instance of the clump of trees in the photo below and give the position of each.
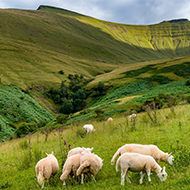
(99, 90)
(72, 96)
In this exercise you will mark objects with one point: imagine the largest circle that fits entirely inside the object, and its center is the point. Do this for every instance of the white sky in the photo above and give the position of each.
(119, 11)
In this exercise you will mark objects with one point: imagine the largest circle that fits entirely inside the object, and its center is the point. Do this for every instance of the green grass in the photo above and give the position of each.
(17, 166)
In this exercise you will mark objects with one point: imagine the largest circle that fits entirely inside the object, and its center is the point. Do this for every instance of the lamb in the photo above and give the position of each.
(90, 164)
(72, 164)
(136, 162)
(151, 150)
(110, 119)
(46, 168)
(88, 128)
(76, 150)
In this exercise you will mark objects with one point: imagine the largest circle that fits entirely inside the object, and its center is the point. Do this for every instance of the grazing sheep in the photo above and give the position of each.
(135, 162)
(46, 168)
(88, 128)
(110, 119)
(89, 164)
(132, 116)
(75, 151)
(151, 150)
(72, 164)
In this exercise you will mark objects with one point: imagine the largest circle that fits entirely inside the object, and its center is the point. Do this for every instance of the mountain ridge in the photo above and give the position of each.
(35, 45)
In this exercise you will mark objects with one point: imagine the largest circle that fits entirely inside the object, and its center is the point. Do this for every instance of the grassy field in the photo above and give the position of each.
(19, 157)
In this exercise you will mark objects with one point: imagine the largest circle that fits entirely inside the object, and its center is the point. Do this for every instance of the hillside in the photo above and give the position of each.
(135, 62)
(36, 45)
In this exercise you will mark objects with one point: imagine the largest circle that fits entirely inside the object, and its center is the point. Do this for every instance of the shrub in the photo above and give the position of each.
(188, 99)
(187, 82)
(25, 128)
(61, 72)
(62, 118)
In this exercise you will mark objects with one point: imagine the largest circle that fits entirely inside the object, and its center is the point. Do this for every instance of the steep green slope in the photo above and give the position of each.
(35, 45)
(17, 107)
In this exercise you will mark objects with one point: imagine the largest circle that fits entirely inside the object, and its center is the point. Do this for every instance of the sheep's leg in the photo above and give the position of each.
(123, 173)
(93, 177)
(148, 174)
(43, 184)
(64, 183)
(127, 177)
(82, 179)
(142, 175)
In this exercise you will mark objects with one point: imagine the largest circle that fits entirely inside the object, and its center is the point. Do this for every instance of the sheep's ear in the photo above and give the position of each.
(170, 154)
(83, 148)
(163, 169)
(52, 152)
(92, 149)
(47, 154)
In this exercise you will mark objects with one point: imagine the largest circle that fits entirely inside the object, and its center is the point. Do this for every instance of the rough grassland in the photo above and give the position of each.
(18, 160)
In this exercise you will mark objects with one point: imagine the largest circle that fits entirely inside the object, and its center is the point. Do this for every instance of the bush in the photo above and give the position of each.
(188, 99)
(62, 118)
(187, 83)
(25, 128)
(61, 72)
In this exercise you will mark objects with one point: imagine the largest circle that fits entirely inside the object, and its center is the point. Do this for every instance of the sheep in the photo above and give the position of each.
(72, 164)
(136, 162)
(132, 116)
(46, 168)
(88, 128)
(151, 150)
(110, 119)
(89, 164)
(75, 151)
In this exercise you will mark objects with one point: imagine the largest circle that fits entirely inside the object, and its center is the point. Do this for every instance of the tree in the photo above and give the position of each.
(66, 107)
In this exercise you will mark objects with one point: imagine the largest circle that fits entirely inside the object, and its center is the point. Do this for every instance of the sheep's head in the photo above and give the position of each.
(170, 159)
(162, 174)
(87, 150)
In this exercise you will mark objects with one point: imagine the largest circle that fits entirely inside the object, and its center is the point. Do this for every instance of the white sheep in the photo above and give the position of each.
(72, 164)
(88, 128)
(132, 116)
(46, 168)
(150, 150)
(110, 119)
(90, 164)
(73, 151)
(135, 162)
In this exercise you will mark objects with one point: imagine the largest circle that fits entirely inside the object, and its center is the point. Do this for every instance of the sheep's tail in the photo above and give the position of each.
(114, 157)
(82, 166)
(40, 176)
(117, 164)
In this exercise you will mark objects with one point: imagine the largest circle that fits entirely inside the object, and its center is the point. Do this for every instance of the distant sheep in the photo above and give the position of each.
(151, 150)
(46, 168)
(132, 116)
(88, 128)
(72, 164)
(135, 162)
(110, 119)
(73, 151)
(89, 164)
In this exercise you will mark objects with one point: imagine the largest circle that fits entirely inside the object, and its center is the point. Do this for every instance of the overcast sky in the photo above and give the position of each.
(119, 11)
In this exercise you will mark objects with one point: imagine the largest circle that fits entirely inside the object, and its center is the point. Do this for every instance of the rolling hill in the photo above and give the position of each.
(135, 62)
(35, 45)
